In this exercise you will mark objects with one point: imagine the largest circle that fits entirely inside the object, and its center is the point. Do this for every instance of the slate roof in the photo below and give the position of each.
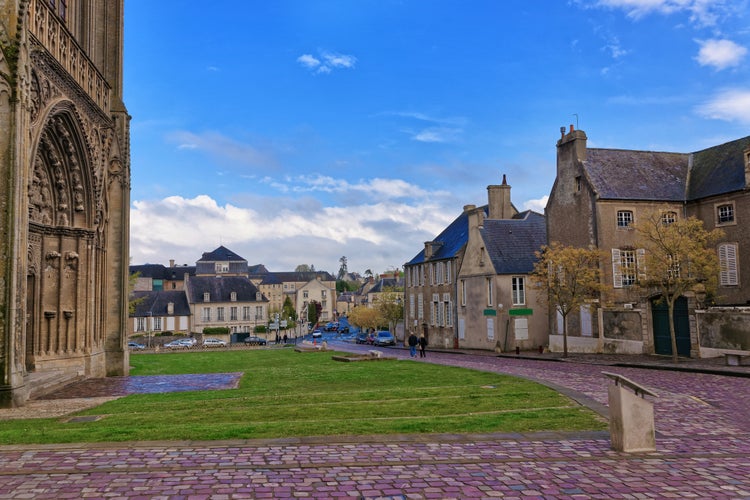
(453, 239)
(636, 175)
(155, 303)
(221, 288)
(221, 254)
(511, 243)
(162, 272)
(294, 276)
(386, 284)
(659, 176)
(718, 170)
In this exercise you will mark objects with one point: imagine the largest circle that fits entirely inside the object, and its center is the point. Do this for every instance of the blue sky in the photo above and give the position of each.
(299, 131)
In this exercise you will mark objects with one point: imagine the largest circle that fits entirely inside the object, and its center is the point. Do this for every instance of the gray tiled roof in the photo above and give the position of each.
(718, 170)
(452, 239)
(154, 303)
(511, 243)
(636, 175)
(221, 288)
(221, 254)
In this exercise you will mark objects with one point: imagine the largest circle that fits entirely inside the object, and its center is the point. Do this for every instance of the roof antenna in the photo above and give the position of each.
(576, 115)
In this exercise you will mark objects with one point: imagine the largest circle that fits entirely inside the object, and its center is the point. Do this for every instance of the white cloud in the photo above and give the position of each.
(720, 54)
(536, 205)
(327, 62)
(701, 12)
(729, 105)
(379, 233)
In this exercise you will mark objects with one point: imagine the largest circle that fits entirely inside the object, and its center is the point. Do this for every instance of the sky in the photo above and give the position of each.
(302, 131)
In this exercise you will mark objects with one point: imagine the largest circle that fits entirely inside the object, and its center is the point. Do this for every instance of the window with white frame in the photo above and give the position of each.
(624, 218)
(627, 265)
(448, 272)
(140, 324)
(725, 213)
(259, 312)
(490, 300)
(221, 267)
(412, 309)
(206, 297)
(246, 313)
(463, 292)
(219, 314)
(420, 306)
(447, 309)
(232, 314)
(206, 314)
(518, 290)
(728, 270)
(668, 218)
(157, 324)
(233, 297)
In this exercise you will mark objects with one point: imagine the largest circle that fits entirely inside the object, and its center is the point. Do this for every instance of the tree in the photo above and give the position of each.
(390, 307)
(678, 257)
(342, 270)
(304, 268)
(313, 312)
(365, 317)
(570, 276)
(287, 310)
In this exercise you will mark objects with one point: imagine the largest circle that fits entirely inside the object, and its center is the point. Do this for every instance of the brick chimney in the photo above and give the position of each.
(498, 198)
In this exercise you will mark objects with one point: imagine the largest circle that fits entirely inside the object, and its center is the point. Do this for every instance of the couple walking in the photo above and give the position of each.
(414, 342)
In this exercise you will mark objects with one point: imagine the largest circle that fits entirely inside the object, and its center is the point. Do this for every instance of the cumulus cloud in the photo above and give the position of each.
(378, 233)
(729, 105)
(327, 62)
(536, 205)
(720, 54)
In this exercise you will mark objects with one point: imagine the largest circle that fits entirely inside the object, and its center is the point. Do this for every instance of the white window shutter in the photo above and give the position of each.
(616, 268)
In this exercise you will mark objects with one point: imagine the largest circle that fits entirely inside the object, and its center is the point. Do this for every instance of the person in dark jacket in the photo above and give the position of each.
(413, 341)
(422, 345)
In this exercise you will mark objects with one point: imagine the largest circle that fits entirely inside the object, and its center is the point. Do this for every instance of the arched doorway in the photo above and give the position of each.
(660, 317)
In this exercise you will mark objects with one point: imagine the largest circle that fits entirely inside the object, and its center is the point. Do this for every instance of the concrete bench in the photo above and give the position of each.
(375, 354)
(733, 359)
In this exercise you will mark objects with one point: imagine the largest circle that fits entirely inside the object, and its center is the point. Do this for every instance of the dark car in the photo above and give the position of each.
(384, 338)
(253, 340)
(363, 338)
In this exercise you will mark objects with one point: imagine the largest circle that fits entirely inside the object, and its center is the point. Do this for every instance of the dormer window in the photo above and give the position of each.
(233, 297)
(206, 297)
(221, 267)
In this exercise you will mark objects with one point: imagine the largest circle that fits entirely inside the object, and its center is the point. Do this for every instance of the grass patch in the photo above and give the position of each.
(286, 394)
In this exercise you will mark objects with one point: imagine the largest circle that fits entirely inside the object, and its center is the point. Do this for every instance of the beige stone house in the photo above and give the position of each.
(600, 193)
(498, 309)
(64, 186)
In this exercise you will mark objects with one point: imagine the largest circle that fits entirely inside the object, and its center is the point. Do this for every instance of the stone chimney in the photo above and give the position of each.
(498, 198)
(171, 262)
(571, 148)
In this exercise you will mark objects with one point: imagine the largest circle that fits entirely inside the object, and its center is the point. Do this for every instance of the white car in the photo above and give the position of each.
(214, 343)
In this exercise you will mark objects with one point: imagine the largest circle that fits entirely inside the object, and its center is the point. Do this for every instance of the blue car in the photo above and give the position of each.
(384, 338)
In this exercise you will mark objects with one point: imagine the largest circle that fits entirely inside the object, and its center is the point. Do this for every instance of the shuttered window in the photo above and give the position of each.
(728, 275)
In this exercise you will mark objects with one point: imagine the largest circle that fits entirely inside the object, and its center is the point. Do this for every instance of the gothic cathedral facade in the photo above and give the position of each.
(64, 195)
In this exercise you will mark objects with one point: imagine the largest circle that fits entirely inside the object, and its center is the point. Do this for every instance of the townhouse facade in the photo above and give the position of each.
(599, 194)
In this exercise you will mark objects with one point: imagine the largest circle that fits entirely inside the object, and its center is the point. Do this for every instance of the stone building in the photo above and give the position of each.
(599, 194)
(64, 195)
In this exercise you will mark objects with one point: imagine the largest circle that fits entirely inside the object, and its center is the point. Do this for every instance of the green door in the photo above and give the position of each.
(662, 341)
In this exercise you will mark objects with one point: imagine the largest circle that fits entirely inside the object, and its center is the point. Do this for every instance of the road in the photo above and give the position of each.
(703, 451)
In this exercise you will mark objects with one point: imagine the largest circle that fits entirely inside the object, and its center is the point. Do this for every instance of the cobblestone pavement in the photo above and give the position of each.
(703, 451)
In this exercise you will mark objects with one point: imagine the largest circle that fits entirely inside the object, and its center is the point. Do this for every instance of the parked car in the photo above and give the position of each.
(178, 344)
(317, 333)
(331, 326)
(211, 342)
(384, 338)
(362, 338)
(136, 346)
(253, 340)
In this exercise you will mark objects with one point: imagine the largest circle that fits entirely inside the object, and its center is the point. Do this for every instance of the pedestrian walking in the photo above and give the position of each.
(422, 345)
(413, 342)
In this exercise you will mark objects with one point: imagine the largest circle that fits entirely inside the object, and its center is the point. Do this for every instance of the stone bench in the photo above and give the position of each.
(733, 359)
(375, 354)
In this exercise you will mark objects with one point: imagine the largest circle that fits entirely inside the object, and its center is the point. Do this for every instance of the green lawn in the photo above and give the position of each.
(284, 394)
